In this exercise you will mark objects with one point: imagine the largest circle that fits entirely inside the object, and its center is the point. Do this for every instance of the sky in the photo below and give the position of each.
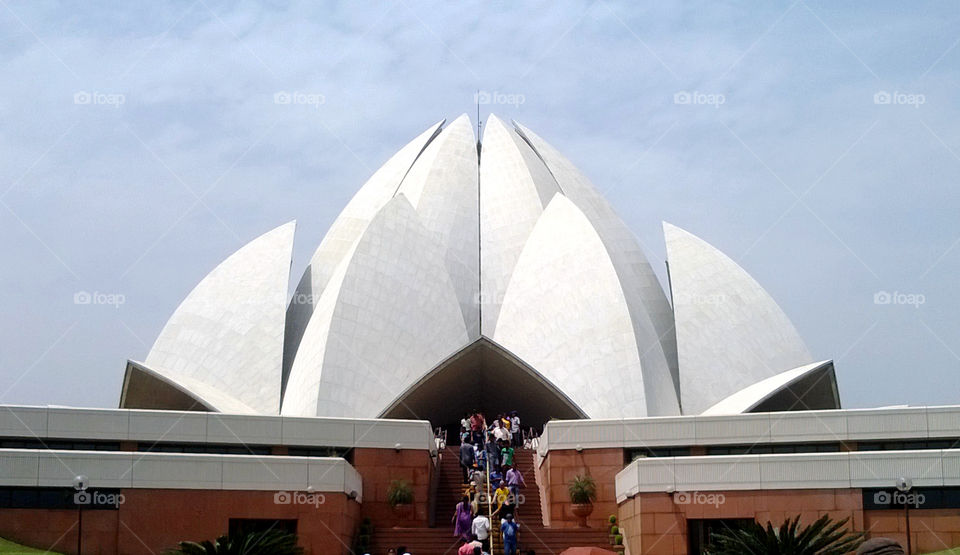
(816, 143)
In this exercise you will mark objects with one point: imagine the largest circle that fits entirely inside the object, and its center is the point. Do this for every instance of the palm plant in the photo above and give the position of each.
(823, 537)
(582, 489)
(399, 493)
(271, 542)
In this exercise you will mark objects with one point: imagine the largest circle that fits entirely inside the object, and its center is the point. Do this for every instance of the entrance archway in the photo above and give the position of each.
(486, 377)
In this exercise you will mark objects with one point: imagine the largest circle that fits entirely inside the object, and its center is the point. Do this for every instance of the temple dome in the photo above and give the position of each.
(457, 260)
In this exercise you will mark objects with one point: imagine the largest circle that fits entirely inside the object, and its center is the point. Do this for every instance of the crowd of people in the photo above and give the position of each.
(487, 460)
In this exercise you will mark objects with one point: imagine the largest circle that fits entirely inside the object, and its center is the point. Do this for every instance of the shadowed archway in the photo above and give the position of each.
(486, 377)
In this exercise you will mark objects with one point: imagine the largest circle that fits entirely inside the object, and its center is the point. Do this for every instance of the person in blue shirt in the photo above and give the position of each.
(509, 529)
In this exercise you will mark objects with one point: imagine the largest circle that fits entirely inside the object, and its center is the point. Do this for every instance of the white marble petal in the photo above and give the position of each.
(730, 331)
(390, 314)
(227, 335)
(442, 186)
(343, 234)
(515, 187)
(565, 314)
(649, 309)
(748, 398)
(210, 398)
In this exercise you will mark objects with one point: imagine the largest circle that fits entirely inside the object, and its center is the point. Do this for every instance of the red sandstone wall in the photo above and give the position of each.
(560, 467)
(930, 530)
(154, 520)
(379, 467)
(656, 525)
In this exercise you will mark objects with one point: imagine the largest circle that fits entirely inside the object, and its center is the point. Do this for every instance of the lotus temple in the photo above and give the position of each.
(474, 273)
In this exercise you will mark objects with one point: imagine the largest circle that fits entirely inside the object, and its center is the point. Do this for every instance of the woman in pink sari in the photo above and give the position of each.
(462, 519)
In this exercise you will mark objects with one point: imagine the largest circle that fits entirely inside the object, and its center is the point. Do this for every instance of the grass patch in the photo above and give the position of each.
(7, 547)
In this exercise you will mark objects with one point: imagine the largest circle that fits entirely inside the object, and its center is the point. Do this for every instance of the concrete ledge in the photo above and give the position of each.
(842, 425)
(926, 468)
(148, 426)
(52, 468)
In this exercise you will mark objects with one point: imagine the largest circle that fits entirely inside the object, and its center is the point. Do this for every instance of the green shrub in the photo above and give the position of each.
(618, 540)
(614, 530)
(612, 519)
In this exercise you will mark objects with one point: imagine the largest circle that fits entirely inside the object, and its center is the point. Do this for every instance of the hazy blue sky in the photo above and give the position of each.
(141, 144)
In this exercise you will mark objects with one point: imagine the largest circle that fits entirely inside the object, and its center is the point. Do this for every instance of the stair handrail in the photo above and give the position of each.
(440, 440)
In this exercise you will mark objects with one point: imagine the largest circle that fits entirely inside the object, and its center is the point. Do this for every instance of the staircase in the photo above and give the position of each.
(440, 540)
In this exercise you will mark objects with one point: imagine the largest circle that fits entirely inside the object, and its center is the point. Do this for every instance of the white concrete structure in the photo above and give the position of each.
(53, 468)
(836, 426)
(452, 244)
(927, 468)
(153, 426)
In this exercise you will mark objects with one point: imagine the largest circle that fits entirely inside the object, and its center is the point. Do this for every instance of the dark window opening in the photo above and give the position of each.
(949, 443)
(658, 452)
(700, 530)
(244, 526)
(773, 449)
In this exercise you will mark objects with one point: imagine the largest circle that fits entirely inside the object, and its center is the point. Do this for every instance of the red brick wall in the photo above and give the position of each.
(152, 520)
(379, 467)
(562, 466)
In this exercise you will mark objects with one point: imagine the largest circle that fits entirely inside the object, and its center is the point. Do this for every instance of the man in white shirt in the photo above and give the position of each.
(501, 433)
(481, 529)
(515, 430)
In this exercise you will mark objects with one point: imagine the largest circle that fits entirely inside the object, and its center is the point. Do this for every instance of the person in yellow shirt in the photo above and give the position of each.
(500, 497)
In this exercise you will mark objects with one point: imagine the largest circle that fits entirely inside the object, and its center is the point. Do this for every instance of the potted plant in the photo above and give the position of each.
(583, 492)
(400, 498)
(618, 544)
(614, 532)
